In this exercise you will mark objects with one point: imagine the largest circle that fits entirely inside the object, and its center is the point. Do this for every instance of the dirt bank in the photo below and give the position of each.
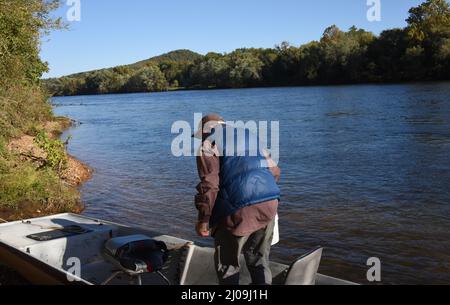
(75, 173)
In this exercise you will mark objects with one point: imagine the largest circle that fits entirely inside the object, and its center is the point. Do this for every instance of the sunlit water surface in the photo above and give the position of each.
(365, 169)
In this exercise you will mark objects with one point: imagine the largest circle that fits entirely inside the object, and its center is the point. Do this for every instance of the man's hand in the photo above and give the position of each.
(202, 229)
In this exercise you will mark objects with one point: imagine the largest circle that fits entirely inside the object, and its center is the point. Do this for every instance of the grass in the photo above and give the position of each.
(24, 187)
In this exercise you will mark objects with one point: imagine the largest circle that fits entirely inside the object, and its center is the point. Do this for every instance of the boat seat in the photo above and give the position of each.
(197, 268)
(135, 255)
(304, 270)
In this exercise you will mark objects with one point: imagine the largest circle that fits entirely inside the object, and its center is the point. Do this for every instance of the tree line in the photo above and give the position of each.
(22, 100)
(418, 52)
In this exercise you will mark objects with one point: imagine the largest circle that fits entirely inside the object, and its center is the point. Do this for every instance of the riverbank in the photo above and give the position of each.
(31, 188)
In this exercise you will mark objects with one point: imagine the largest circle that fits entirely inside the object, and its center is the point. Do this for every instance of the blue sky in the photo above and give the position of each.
(113, 32)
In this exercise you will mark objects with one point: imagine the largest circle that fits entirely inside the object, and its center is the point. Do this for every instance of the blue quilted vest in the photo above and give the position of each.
(245, 178)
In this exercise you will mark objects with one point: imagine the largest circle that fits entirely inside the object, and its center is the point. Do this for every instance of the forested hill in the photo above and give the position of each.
(418, 52)
(182, 56)
(146, 75)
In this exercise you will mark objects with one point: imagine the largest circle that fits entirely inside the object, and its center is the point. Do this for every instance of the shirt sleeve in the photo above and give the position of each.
(208, 170)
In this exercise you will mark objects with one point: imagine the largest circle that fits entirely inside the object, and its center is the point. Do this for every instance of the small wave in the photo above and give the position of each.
(339, 114)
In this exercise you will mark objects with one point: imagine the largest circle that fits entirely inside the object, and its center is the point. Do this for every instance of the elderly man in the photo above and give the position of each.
(237, 202)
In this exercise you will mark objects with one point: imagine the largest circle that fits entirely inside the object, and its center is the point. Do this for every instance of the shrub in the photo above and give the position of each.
(55, 150)
(22, 184)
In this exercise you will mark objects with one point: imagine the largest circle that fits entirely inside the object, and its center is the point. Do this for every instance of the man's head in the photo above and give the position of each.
(207, 124)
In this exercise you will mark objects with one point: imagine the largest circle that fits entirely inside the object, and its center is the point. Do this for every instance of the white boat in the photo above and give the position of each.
(75, 249)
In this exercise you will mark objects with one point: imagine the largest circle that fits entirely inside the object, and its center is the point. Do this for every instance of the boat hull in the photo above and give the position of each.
(32, 270)
(45, 262)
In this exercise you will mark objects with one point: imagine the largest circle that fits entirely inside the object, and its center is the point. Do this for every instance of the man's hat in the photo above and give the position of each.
(208, 122)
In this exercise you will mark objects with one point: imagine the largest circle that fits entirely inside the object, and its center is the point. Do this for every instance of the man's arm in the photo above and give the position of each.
(208, 170)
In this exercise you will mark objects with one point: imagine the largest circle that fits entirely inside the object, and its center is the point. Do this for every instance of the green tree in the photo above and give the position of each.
(429, 33)
(245, 68)
(22, 23)
(174, 71)
(337, 49)
(212, 71)
(286, 66)
(22, 102)
(147, 79)
(386, 55)
(429, 18)
(310, 61)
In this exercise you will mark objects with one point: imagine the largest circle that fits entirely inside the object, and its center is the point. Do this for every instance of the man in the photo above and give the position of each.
(237, 202)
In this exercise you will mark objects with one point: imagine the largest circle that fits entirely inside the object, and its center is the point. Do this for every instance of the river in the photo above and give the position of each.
(365, 169)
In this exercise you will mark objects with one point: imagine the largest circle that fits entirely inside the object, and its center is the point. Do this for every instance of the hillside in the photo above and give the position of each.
(182, 56)
(174, 56)
(154, 74)
(418, 52)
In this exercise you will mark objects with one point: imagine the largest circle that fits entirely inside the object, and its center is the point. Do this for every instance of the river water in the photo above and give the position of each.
(365, 169)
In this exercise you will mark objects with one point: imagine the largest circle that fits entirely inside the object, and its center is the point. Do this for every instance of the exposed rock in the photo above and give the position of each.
(76, 172)
(56, 127)
(27, 149)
